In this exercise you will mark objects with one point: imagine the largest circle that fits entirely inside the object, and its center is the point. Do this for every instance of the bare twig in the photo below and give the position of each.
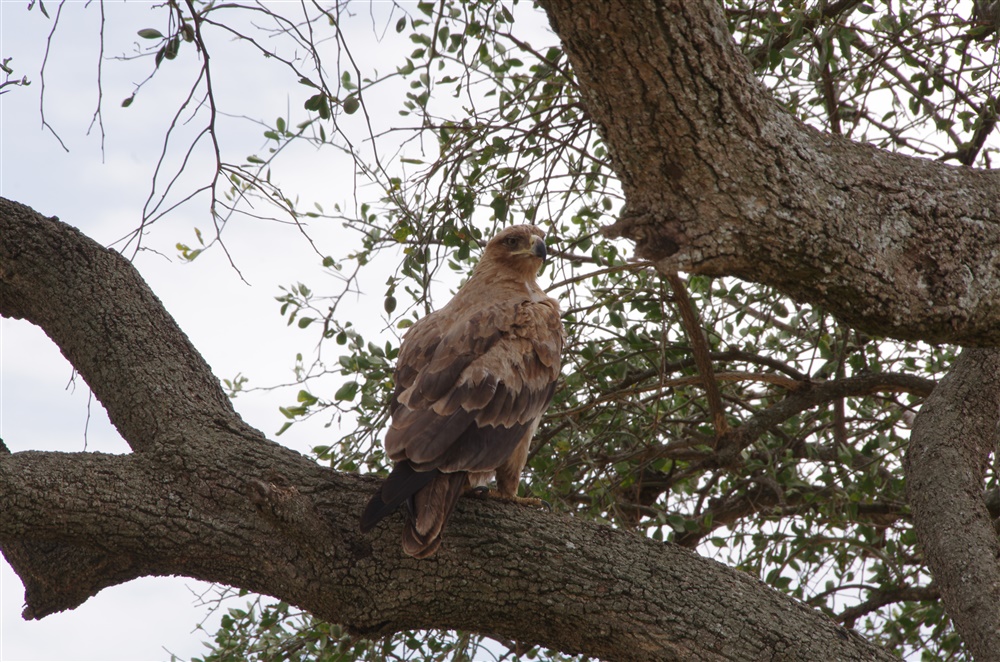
(41, 76)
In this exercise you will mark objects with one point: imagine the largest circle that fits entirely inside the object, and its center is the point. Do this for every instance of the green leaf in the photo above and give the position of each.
(346, 392)
(980, 31)
(174, 45)
(307, 398)
(500, 207)
(351, 105)
(150, 33)
(314, 102)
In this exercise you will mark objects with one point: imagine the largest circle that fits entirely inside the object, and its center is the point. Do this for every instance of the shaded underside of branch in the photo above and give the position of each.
(287, 528)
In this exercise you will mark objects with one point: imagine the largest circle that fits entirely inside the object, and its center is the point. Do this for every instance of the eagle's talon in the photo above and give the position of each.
(534, 502)
(483, 492)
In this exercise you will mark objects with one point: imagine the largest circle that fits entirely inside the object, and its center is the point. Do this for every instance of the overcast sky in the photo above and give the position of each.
(236, 326)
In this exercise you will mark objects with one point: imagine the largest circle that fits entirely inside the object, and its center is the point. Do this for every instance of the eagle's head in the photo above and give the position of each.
(515, 251)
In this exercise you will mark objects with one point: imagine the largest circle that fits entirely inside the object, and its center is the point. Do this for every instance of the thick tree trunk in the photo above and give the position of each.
(206, 496)
(953, 437)
(719, 179)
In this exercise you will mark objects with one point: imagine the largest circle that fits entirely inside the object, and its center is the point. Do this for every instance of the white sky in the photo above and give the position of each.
(235, 326)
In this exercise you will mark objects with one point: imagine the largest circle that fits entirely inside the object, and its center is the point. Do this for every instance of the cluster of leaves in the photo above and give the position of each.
(708, 412)
(917, 76)
(275, 631)
(8, 81)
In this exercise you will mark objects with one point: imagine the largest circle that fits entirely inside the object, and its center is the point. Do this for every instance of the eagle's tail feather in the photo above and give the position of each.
(430, 509)
(399, 486)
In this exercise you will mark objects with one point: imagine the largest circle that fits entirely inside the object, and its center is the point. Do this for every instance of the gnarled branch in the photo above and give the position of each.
(206, 496)
(719, 179)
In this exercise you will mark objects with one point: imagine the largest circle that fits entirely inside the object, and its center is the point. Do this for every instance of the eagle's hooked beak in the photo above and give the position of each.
(538, 247)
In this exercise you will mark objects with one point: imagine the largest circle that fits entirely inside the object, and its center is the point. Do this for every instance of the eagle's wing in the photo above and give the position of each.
(471, 387)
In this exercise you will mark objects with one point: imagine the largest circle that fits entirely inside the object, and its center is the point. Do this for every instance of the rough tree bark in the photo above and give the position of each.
(206, 496)
(719, 179)
(949, 453)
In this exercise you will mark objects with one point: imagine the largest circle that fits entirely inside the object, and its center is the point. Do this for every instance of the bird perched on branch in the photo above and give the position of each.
(471, 384)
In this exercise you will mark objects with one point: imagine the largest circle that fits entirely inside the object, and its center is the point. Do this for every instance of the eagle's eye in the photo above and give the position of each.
(510, 242)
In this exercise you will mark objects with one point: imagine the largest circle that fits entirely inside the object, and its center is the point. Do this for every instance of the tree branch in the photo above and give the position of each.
(206, 496)
(881, 598)
(720, 180)
(109, 325)
(812, 395)
(953, 437)
(700, 349)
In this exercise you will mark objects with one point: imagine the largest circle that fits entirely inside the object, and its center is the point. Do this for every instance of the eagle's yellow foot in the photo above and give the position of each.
(483, 492)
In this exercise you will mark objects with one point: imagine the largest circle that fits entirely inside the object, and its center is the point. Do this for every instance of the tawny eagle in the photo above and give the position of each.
(471, 384)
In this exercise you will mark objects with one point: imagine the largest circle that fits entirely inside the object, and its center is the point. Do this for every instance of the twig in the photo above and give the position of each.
(41, 76)
(702, 354)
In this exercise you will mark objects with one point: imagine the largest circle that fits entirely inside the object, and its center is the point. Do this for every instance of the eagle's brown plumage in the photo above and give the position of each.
(472, 382)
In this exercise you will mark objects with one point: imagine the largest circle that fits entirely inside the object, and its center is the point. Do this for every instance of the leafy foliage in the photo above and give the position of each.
(275, 631)
(918, 77)
(708, 412)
